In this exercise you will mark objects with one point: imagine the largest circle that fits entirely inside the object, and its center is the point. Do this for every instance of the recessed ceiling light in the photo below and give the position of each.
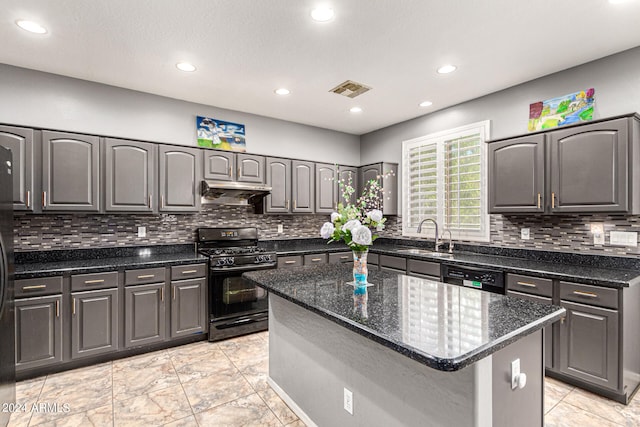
(32, 27)
(355, 110)
(322, 14)
(185, 66)
(446, 69)
(282, 91)
(426, 104)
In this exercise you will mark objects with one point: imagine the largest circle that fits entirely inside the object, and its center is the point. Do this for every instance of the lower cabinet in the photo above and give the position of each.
(144, 314)
(38, 331)
(188, 307)
(94, 322)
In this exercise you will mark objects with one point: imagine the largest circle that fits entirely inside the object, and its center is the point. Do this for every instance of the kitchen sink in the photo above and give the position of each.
(427, 252)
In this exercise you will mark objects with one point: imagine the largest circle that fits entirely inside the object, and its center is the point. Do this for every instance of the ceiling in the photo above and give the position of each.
(245, 49)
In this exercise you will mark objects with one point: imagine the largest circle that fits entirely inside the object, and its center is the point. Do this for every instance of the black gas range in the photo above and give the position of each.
(235, 306)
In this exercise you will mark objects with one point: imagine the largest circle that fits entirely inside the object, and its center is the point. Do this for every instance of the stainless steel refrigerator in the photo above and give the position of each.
(7, 323)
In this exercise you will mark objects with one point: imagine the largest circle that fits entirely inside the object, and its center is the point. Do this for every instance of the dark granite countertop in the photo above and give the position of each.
(407, 314)
(586, 269)
(58, 263)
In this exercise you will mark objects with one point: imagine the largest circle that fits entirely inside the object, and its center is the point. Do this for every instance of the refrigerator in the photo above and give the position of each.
(7, 311)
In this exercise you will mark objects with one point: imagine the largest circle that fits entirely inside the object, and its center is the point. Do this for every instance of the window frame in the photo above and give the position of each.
(483, 128)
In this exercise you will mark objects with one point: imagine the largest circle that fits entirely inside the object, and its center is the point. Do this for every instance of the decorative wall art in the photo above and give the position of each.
(213, 133)
(561, 111)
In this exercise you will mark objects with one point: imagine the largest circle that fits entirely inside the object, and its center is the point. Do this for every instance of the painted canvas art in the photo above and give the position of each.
(563, 110)
(219, 134)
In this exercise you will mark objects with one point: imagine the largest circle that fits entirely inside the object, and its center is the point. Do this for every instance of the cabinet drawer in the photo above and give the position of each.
(530, 285)
(373, 259)
(590, 295)
(394, 262)
(39, 286)
(192, 271)
(315, 259)
(83, 282)
(338, 257)
(289, 261)
(144, 275)
(423, 267)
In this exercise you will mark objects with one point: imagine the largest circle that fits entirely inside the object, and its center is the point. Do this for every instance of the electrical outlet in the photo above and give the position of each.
(348, 401)
(142, 231)
(525, 233)
(280, 228)
(597, 229)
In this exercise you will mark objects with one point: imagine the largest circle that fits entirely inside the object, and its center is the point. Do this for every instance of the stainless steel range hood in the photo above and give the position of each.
(233, 193)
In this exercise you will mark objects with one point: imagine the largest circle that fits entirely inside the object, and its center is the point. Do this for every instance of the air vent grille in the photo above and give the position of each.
(350, 89)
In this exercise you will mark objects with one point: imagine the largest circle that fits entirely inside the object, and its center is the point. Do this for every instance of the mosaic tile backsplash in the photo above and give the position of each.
(567, 233)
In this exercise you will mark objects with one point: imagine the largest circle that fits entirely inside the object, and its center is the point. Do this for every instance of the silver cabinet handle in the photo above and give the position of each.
(586, 294)
(174, 292)
(161, 294)
(290, 262)
(230, 169)
(34, 287)
(94, 281)
(528, 285)
(73, 308)
(150, 201)
(238, 172)
(44, 199)
(189, 271)
(344, 257)
(28, 198)
(287, 205)
(57, 308)
(316, 259)
(162, 200)
(146, 276)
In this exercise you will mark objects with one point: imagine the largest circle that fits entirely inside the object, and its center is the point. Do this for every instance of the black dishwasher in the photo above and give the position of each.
(474, 277)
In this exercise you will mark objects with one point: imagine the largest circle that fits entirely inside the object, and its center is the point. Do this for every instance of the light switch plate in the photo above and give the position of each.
(142, 231)
(623, 238)
(280, 228)
(525, 234)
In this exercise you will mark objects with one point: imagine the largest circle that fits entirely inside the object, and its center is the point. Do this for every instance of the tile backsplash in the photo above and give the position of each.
(567, 233)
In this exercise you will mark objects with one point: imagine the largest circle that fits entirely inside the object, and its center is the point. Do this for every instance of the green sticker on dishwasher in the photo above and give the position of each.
(476, 284)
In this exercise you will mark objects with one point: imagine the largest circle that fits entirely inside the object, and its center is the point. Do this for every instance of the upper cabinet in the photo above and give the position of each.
(326, 188)
(302, 186)
(20, 142)
(582, 169)
(387, 175)
(70, 172)
(292, 186)
(226, 166)
(348, 174)
(130, 172)
(179, 178)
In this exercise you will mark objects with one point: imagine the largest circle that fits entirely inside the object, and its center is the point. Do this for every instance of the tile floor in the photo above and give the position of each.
(224, 384)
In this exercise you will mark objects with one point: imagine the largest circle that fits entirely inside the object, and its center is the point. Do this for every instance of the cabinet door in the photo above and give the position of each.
(144, 314)
(70, 172)
(38, 331)
(589, 168)
(94, 322)
(302, 186)
(129, 176)
(279, 178)
(326, 188)
(348, 174)
(368, 173)
(219, 165)
(188, 307)
(250, 168)
(180, 176)
(548, 330)
(20, 142)
(589, 344)
(516, 175)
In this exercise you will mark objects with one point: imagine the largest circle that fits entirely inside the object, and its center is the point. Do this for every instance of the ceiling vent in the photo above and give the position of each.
(350, 89)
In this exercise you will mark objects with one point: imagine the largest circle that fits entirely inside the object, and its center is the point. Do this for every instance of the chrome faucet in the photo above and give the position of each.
(450, 240)
(437, 244)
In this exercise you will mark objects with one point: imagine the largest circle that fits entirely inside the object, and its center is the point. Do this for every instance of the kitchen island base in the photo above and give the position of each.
(312, 360)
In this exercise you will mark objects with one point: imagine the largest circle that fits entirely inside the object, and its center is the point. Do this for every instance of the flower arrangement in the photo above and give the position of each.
(353, 223)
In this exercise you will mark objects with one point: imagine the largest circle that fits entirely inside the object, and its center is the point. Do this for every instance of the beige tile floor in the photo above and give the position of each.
(224, 384)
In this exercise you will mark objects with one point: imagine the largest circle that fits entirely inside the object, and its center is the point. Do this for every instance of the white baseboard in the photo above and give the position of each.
(290, 403)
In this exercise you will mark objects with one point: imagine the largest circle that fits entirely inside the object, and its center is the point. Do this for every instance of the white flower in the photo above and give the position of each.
(334, 216)
(361, 235)
(327, 230)
(351, 224)
(375, 215)
(379, 227)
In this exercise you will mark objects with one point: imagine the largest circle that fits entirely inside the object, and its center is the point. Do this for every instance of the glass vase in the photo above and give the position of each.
(360, 271)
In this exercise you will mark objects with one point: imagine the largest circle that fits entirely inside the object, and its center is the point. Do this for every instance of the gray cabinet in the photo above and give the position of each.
(179, 177)
(145, 318)
(188, 307)
(426, 269)
(302, 186)
(94, 322)
(590, 168)
(70, 172)
(516, 175)
(315, 259)
(130, 172)
(226, 166)
(20, 142)
(290, 261)
(292, 186)
(348, 174)
(341, 257)
(387, 175)
(326, 190)
(38, 323)
(393, 263)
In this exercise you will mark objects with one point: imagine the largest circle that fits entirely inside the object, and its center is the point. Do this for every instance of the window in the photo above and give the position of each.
(445, 178)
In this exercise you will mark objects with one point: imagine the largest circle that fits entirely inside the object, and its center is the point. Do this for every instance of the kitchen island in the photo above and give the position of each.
(411, 351)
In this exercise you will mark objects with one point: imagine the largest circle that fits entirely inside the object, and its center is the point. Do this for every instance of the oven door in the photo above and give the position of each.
(230, 295)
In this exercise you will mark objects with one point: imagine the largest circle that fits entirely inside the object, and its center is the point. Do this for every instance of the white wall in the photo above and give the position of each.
(34, 98)
(616, 80)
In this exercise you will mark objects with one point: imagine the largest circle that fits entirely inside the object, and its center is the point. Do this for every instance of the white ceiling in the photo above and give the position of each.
(245, 49)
